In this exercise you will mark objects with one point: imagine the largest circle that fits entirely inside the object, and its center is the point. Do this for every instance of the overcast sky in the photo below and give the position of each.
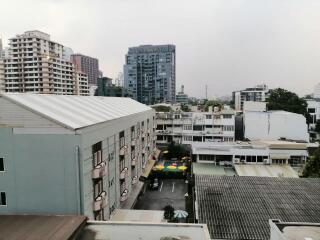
(226, 44)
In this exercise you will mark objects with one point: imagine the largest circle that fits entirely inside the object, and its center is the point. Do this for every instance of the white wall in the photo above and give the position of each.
(275, 125)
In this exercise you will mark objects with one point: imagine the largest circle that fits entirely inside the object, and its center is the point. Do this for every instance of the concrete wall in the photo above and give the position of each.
(275, 125)
(41, 173)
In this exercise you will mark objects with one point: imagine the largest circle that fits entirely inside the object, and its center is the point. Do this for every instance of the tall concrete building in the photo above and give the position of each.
(2, 81)
(256, 94)
(35, 64)
(182, 97)
(73, 154)
(150, 73)
(88, 65)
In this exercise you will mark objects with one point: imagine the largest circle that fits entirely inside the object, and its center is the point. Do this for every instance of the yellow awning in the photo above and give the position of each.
(148, 168)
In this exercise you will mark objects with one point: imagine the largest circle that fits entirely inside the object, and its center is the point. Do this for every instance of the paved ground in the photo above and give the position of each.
(171, 191)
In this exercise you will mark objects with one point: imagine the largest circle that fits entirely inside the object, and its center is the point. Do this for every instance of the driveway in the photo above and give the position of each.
(170, 192)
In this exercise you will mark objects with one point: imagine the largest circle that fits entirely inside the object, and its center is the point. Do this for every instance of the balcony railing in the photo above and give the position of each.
(133, 162)
(124, 195)
(123, 173)
(99, 171)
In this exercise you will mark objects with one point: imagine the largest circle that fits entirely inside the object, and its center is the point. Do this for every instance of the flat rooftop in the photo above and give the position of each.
(259, 170)
(240, 207)
(154, 216)
(211, 169)
(36, 227)
(143, 231)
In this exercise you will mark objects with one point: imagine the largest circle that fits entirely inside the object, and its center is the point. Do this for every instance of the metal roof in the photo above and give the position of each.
(77, 111)
(240, 207)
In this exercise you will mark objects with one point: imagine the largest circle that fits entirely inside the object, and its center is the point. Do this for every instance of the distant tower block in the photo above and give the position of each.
(182, 88)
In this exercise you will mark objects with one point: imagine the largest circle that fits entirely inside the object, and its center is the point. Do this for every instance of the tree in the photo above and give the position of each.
(185, 108)
(212, 103)
(281, 99)
(162, 108)
(312, 167)
(168, 212)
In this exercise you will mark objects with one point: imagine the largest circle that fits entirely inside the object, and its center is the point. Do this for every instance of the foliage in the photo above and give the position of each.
(185, 108)
(317, 129)
(281, 99)
(312, 167)
(176, 151)
(162, 108)
(168, 212)
(212, 103)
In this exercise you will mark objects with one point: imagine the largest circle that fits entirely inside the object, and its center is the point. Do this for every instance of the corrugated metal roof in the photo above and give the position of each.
(77, 111)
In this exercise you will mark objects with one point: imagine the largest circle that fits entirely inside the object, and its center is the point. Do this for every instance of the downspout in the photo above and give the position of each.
(79, 181)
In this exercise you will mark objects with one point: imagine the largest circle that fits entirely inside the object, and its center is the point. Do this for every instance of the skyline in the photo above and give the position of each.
(228, 46)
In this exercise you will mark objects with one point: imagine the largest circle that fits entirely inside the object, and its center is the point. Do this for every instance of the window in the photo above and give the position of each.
(1, 165)
(97, 188)
(227, 116)
(197, 127)
(121, 139)
(208, 116)
(96, 154)
(311, 110)
(208, 126)
(3, 199)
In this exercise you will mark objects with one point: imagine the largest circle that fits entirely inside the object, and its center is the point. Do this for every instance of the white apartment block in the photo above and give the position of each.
(80, 155)
(2, 81)
(35, 64)
(256, 94)
(189, 127)
(82, 84)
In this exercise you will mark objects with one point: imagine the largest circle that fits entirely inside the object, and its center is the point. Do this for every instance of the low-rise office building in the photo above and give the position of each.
(189, 127)
(73, 154)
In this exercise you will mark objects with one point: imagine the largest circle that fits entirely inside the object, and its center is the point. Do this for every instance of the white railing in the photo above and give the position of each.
(123, 173)
(99, 171)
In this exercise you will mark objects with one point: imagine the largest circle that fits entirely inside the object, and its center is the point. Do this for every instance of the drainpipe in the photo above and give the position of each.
(79, 181)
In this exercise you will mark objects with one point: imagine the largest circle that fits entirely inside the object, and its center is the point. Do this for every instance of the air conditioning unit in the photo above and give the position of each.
(236, 160)
(266, 161)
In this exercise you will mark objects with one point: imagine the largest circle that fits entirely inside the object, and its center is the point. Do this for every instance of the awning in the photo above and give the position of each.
(148, 168)
(279, 156)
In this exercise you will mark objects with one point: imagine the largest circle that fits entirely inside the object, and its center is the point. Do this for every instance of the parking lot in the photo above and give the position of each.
(170, 192)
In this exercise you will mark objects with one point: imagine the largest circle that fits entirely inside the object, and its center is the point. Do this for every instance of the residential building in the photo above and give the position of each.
(82, 87)
(240, 207)
(105, 87)
(275, 125)
(314, 112)
(258, 93)
(35, 64)
(243, 155)
(316, 91)
(73, 154)
(67, 52)
(88, 65)
(150, 73)
(2, 74)
(181, 97)
(189, 127)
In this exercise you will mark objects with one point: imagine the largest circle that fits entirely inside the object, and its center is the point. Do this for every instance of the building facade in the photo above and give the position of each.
(150, 73)
(88, 159)
(82, 87)
(189, 127)
(35, 64)
(181, 97)
(88, 65)
(255, 94)
(2, 74)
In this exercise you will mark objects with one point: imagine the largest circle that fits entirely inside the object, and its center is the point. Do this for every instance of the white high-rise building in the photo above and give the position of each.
(2, 83)
(316, 91)
(82, 84)
(35, 64)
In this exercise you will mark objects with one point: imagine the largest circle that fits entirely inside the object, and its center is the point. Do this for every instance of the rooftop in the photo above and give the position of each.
(240, 207)
(35, 227)
(152, 216)
(211, 169)
(299, 231)
(144, 231)
(259, 170)
(76, 112)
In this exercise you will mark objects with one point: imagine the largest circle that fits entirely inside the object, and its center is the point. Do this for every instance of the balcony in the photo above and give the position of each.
(134, 180)
(99, 171)
(133, 142)
(124, 195)
(123, 150)
(133, 162)
(123, 173)
(100, 202)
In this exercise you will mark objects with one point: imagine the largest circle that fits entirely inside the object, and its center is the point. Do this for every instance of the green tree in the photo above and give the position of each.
(281, 99)
(312, 167)
(212, 103)
(185, 108)
(162, 108)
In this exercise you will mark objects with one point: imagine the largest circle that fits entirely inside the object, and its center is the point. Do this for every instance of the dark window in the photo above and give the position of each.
(1, 165)
(3, 199)
(197, 127)
(96, 154)
(260, 159)
(311, 110)
(208, 126)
